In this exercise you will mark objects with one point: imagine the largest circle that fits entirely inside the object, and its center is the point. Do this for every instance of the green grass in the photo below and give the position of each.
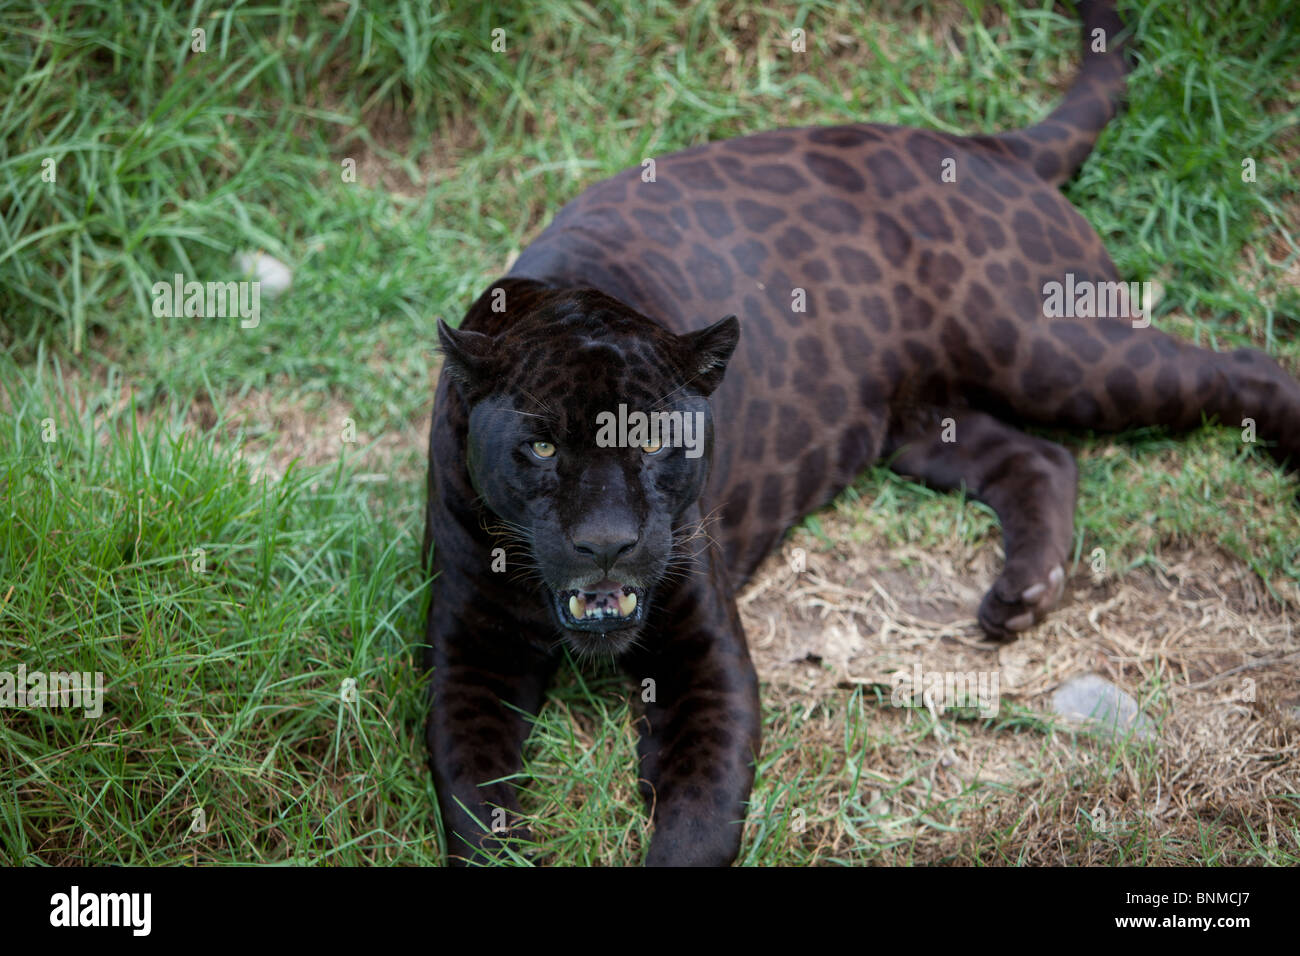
(226, 683)
(226, 615)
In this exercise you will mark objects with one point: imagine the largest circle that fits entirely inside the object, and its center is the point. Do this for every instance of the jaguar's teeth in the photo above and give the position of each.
(600, 605)
(627, 603)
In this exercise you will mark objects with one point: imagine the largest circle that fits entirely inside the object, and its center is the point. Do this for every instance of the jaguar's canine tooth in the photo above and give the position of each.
(627, 604)
(577, 606)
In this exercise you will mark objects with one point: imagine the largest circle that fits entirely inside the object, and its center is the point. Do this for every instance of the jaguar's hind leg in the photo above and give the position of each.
(1030, 483)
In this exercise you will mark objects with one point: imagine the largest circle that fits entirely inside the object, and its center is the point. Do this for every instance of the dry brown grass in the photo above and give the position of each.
(1201, 645)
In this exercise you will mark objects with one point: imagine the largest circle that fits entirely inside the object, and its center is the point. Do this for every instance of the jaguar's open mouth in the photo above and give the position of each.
(604, 606)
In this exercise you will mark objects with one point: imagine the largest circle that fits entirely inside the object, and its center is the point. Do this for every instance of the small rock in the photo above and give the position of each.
(1098, 705)
(274, 275)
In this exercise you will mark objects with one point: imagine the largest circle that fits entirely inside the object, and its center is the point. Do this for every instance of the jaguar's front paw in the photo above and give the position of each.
(1011, 606)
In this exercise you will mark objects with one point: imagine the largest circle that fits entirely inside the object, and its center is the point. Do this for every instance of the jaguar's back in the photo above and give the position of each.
(885, 278)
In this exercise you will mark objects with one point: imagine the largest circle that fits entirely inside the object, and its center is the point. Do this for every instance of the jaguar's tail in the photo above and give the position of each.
(1059, 144)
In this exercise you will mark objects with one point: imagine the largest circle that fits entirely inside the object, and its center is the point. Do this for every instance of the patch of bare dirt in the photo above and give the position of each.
(1200, 644)
(385, 139)
(269, 429)
(274, 433)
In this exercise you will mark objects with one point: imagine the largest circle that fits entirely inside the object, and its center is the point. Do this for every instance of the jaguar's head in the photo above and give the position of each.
(589, 441)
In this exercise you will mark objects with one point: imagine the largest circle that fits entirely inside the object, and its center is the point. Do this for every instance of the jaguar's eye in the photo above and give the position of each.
(652, 447)
(543, 449)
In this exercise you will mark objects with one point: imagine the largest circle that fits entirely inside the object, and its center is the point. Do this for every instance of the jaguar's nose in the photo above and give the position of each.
(605, 549)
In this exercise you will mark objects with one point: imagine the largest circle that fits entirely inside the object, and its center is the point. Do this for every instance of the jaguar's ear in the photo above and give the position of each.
(708, 352)
(468, 355)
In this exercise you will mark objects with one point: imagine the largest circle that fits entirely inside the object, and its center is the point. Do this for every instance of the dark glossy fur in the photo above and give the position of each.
(924, 320)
